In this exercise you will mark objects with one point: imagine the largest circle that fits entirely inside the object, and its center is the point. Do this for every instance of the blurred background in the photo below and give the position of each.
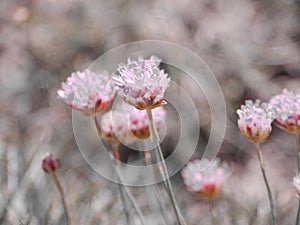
(252, 47)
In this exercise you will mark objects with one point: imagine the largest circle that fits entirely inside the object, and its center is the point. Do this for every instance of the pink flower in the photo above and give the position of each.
(88, 91)
(128, 124)
(287, 110)
(205, 183)
(255, 121)
(50, 163)
(115, 128)
(142, 84)
(139, 121)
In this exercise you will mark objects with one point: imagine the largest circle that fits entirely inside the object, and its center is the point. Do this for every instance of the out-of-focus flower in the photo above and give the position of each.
(114, 127)
(205, 183)
(88, 91)
(296, 183)
(50, 163)
(127, 124)
(142, 84)
(255, 121)
(139, 121)
(287, 110)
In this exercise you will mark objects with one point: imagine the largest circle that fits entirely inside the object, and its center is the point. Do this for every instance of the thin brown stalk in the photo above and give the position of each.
(261, 162)
(61, 192)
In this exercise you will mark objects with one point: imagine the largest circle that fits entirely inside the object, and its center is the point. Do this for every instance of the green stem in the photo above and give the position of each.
(163, 169)
(258, 151)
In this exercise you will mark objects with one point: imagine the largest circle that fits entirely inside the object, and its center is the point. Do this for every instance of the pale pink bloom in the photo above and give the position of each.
(205, 178)
(142, 84)
(296, 183)
(50, 163)
(287, 110)
(128, 124)
(139, 121)
(88, 91)
(114, 127)
(255, 121)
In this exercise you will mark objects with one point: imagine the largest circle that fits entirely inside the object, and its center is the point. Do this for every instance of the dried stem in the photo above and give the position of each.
(57, 183)
(298, 167)
(258, 151)
(163, 169)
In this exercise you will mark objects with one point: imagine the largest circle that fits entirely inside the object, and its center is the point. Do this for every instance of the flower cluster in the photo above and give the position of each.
(129, 124)
(287, 110)
(142, 84)
(50, 163)
(139, 121)
(206, 182)
(88, 91)
(255, 121)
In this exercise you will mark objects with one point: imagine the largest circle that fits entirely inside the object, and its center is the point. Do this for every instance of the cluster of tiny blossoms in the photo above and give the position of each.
(88, 91)
(129, 124)
(287, 110)
(205, 178)
(142, 84)
(255, 120)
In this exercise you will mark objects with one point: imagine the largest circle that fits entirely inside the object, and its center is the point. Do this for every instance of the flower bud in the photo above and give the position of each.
(50, 163)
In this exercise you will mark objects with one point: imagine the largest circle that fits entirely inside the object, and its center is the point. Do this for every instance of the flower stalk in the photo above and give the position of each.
(163, 169)
(298, 167)
(262, 167)
(61, 192)
(116, 166)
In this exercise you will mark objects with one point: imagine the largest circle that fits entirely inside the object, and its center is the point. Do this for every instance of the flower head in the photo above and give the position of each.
(114, 128)
(205, 183)
(255, 121)
(287, 110)
(142, 84)
(139, 121)
(88, 91)
(296, 183)
(50, 163)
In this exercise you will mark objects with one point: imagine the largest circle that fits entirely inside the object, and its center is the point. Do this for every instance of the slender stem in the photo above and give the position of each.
(298, 165)
(120, 180)
(164, 171)
(258, 151)
(56, 180)
(126, 210)
(158, 197)
(212, 208)
(127, 192)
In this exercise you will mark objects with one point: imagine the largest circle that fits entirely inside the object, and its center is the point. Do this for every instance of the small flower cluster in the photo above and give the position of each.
(142, 84)
(255, 121)
(129, 124)
(88, 91)
(205, 178)
(287, 109)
